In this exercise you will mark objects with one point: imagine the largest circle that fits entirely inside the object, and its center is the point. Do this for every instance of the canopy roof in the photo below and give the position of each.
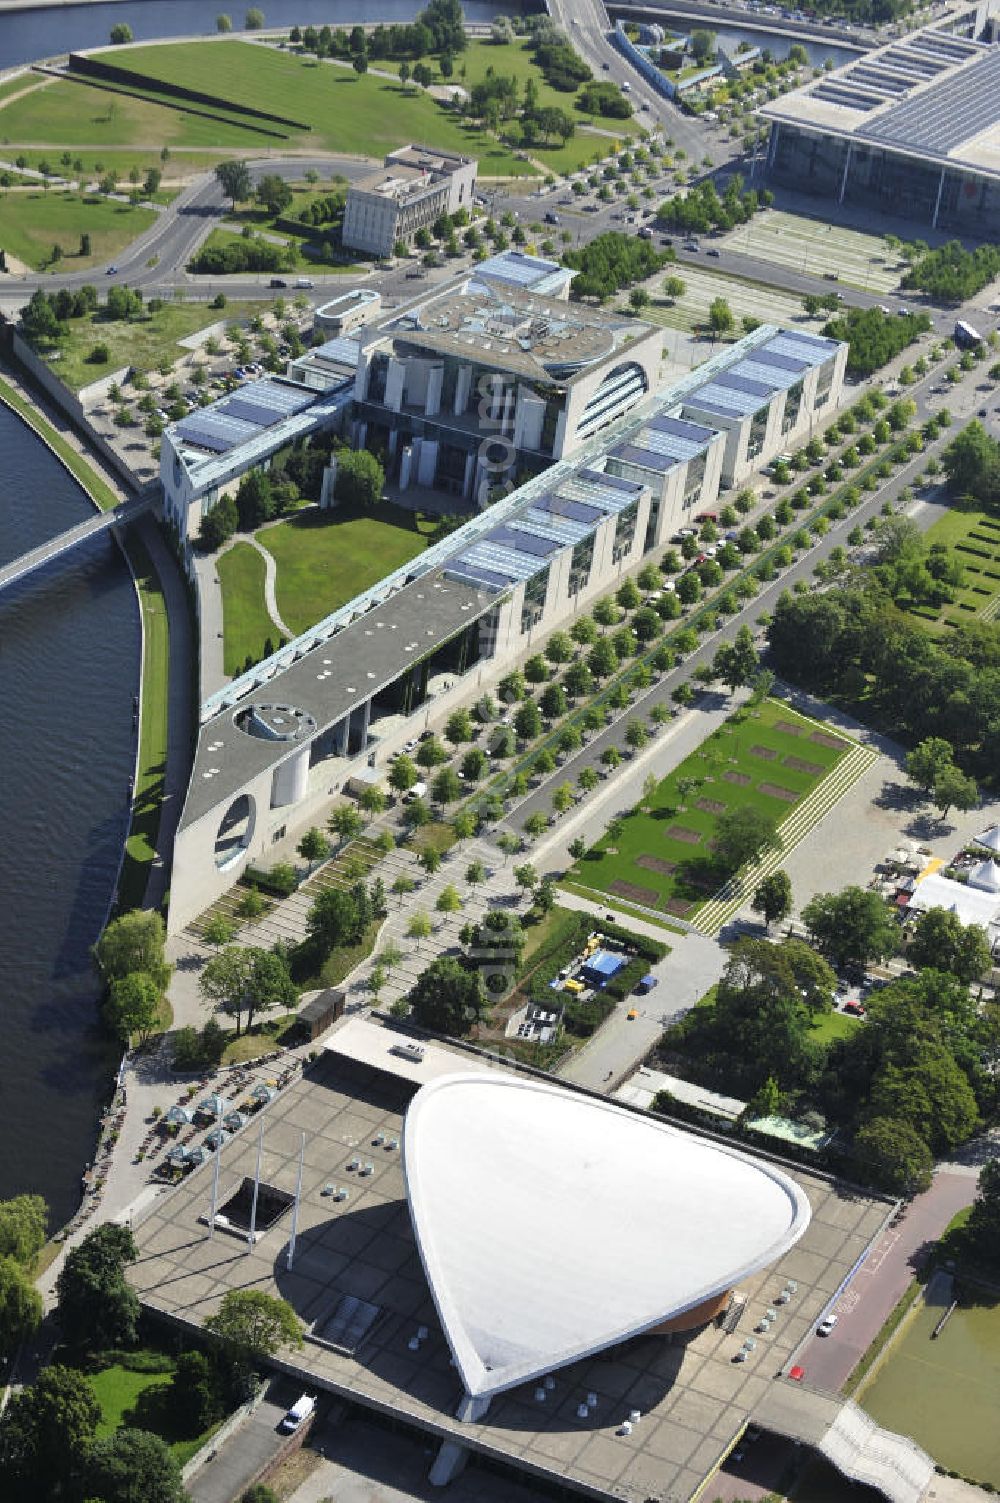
(552, 1225)
(990, 838)
(985, 876)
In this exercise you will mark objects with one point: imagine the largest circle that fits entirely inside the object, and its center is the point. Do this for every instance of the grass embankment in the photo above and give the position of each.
(246, 622)
(140, 847)
(142, 343)
(325, 558)
(661, 857)
(973, 538)
(34, 221)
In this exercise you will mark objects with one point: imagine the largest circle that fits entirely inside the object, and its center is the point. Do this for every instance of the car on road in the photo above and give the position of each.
(982, 412)
(856, 1009)
(714, 251)
(112, 269)
(300, 1410)
(606, 67)
(304, 282)
(632, 1014)
(551, 218)
(277, 282)
(825, 1327)
(691, 245)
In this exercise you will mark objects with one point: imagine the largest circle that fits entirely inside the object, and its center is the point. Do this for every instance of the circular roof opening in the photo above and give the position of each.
(275, 722)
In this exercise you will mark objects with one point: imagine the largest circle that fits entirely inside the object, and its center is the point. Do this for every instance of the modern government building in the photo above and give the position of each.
(910, 129)
(583, 1297)
(549, 422)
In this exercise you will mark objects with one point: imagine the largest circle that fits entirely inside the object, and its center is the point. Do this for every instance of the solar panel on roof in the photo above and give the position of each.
(683, 429)
(646, 459)
(944, 115)
(742, 383)
(521, 542)
(766, 355)
(565, 506)
(339, 350)
(201, 438)
(252, 412)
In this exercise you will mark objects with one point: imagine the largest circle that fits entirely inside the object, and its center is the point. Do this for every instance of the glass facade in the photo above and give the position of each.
(535, 590)
(793, 407)
(824, 385)
(580, 565)
(758, 431)
(694, 479)
(625, 532)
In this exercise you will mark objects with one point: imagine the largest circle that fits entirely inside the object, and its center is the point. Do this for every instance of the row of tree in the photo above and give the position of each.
(701, 209)
(952, 274)
(873, 337)
(610, 262)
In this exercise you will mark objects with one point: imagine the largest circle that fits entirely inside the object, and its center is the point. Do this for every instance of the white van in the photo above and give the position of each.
(300, 1411)
(419, 790)
(303, 282)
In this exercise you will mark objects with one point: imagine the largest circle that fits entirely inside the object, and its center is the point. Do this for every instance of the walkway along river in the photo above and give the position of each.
(69, 667)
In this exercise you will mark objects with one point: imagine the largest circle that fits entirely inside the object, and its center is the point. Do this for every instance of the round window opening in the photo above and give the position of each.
(235, 832)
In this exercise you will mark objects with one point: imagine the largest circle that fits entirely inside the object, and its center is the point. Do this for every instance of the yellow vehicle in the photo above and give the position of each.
(573, 986)
(631, 1015)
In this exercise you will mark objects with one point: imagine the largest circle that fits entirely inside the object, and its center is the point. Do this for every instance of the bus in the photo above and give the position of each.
(966, 337)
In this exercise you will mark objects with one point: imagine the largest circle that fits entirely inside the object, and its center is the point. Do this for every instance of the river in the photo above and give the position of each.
(27, 35)
(69, 666)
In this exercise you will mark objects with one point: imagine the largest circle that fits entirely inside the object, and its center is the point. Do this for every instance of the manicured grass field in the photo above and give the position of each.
(116, 1389)
(121, 161)
(368, 115)
(745, 298)
(72, 113)
(297, 260)
(662, 857)
(246, 623)
(140, 847)
(326, 558)
(142, 344)
(974, 537)
(814, 245)
(33, 221)
(119, 1389)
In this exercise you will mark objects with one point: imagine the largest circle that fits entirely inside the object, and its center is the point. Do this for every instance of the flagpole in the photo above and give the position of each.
(295, 1212)
(256, 1187)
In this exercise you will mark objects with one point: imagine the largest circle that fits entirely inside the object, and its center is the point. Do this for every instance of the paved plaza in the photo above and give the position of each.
(693, 1398)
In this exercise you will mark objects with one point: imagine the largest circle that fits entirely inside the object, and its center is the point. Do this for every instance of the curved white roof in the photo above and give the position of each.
(552, 1225)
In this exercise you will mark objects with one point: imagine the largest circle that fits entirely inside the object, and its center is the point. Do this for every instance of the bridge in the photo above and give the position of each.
(45, 553)
(711, 16)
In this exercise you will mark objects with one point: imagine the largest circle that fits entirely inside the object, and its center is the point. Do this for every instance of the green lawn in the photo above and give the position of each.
(217, 239)
(325, 558)
(814, 245)
(827, 1027)
(368, 115)
(974, 536)
(88, 165)
(33, 221)
(142, 344)
(662, 858)
(246, 623)
(140, 847)
(116, 1389)
(141, 1399)
(96, 488)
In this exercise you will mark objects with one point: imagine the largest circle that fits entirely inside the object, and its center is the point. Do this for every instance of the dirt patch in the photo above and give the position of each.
(657, 864)
(798, 765)
(789, 727)
(739, 779)
(823, 738)
(765, 753)
(648, 896)
(774, 790)
(679, 907)
(684, 834)
(711, 806)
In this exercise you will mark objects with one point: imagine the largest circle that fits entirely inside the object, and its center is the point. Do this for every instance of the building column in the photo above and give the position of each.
(395, 380)
(937, 201)
(772, 145)
(435, 381)
(847, 168)
(405, 468)
(468, 478)
(341, 735)
(463, 387)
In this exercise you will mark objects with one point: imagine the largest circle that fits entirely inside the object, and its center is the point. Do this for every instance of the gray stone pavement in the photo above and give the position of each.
(240, 1458)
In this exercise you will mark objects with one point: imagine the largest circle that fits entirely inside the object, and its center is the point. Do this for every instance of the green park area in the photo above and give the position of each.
(143, 342)
(246, 623)
(944, 1391)
(325, 558)
(811, 245)
(661, 855)
(134, 1390)
(973, 540)
(34, 222)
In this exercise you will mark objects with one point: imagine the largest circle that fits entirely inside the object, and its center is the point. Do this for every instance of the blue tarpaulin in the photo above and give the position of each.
(601, 966)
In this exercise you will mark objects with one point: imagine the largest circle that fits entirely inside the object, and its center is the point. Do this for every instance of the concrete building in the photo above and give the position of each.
(500, 1285)
(910, 129)
(487, 383)
(344, 697)
(343, 314)
(415, 186)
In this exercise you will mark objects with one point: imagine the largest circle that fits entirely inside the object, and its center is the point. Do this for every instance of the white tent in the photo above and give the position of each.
(990, 839)
(985, 876)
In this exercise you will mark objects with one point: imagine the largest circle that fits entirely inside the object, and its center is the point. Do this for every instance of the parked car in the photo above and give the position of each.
(856, 1009)
(713, 251)
(300, 1411)
(826, 1326)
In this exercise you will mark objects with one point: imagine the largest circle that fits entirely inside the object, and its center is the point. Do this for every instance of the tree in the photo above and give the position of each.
(20, 1306)
(736, 662)
(195, 1399)
(431, 753)
(475, 873)
(720, 316)
(133, 942)
(851, 927)
(447, 997)
(218, 523)
(562, 798)
(235, 181)
(334, 920)
(418, 927)
(983, 1227)
(133, 1466)
(474, 764)
(121, 34)
(360, 478)
(249, 979)
(402, 773)
(528, 720)
(46, 1434)
(674, 287)
(448, 900)
(22, 1228)
(254, 19)
(223, 22)
(359, 63)
(526, 877)
(954, 789)
(402, 886)
(131, 1005)
(313, 847)
(773, 897)
(702, 45)
(404, 72)
(942, 942)
(97, 1307)
(430, 860)
(346, 823)
(602, 659)
(273, 193)
(893, 1156)
(742, 835)
(446, 787)
(372, 800)
(251, 1326)
(458, 727)
(924, 763)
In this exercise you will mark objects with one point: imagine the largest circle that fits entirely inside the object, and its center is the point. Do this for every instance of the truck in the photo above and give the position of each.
(966, 337)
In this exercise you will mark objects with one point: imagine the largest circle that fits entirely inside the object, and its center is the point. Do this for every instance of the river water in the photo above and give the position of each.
(69, 666)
